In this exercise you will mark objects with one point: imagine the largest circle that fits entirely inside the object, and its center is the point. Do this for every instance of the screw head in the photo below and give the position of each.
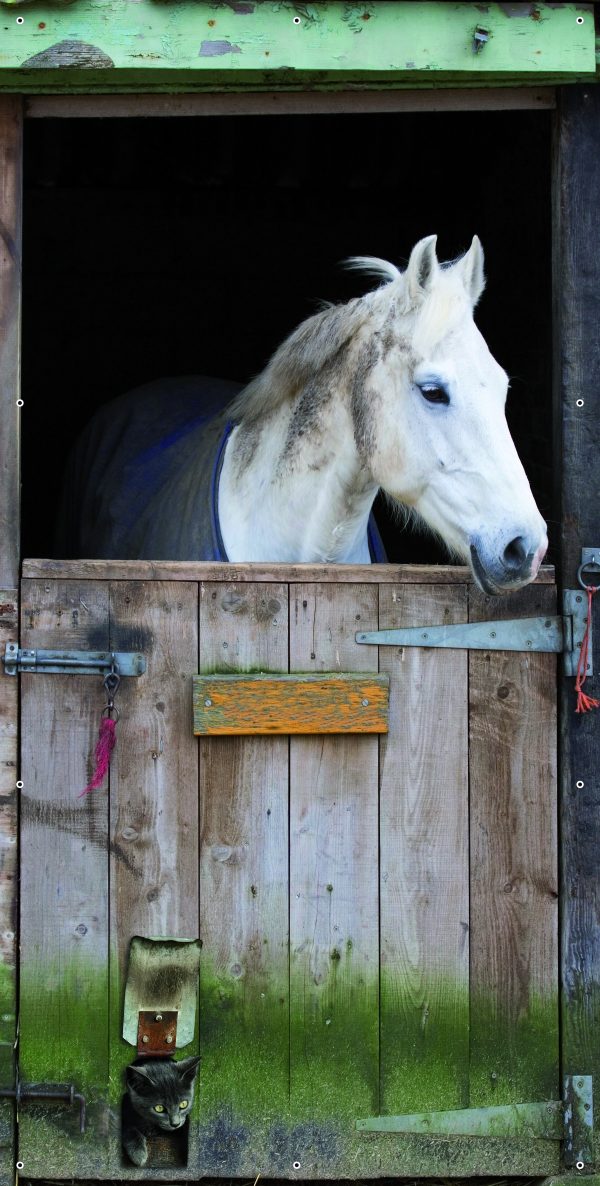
(145, 1038)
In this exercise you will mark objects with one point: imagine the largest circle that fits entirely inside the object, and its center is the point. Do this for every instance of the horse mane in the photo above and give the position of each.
(310, 347)
(317, 341)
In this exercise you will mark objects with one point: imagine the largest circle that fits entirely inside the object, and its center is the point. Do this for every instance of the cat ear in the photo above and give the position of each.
(136, 1077)
(187, 1067)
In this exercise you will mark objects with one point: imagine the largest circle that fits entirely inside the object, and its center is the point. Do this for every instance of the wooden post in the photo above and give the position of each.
(11, 136)
(577, 382)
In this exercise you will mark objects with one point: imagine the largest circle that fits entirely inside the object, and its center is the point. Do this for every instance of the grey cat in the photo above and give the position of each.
(158, 1100)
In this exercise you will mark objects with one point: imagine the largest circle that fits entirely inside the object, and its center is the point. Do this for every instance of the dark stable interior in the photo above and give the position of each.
(158, 247)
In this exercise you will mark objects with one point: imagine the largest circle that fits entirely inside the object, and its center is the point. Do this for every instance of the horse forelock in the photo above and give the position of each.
(444, 309)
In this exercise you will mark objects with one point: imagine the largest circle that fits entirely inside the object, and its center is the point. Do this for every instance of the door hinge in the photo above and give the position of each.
(569, 1120)
(555, 634)
(560, 634)
(53, 662)
(47, 1091)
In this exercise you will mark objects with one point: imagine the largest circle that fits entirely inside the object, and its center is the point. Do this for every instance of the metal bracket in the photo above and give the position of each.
(578, 1102)
(47, 1091)
(481, 37)
(554, 634)
(71, 662)
(157, 1032)
(569, 1120)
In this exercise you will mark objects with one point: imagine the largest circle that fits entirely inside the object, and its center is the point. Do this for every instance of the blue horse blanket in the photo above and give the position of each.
(142, 481)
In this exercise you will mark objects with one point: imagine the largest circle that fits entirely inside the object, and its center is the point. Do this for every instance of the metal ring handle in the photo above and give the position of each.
(108, 711)
(582, 568)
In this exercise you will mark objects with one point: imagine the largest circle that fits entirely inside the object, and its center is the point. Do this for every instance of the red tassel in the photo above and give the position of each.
(104, 748)
(584, 702)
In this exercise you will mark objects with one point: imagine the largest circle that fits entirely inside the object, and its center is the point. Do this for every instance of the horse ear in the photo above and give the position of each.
(422, 268)
(472, 270)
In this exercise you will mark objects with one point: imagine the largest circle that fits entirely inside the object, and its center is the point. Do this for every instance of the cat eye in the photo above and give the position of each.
(183, 1103)
(158, 1108)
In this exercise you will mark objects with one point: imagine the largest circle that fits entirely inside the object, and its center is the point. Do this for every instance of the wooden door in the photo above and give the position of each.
(378, 917)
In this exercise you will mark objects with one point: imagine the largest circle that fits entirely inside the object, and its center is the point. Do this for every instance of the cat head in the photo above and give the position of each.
(161, 1090)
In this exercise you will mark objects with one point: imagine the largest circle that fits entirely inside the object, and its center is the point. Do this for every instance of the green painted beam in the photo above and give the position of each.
(109, 45)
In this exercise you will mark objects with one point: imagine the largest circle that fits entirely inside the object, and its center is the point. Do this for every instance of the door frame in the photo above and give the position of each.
(576, 285)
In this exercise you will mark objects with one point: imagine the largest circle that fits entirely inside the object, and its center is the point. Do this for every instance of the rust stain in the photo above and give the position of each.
(7, 607)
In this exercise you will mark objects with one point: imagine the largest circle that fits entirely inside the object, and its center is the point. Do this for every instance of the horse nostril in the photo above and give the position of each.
(515, 554)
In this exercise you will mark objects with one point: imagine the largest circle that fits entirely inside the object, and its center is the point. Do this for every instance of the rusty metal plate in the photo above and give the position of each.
(157, 1032)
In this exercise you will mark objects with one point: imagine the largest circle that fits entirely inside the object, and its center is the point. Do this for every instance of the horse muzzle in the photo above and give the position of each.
(516, 565)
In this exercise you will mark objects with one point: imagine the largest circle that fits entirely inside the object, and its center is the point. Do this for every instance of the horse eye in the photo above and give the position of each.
(158, 1108)
(433, 394)
(183, 1103)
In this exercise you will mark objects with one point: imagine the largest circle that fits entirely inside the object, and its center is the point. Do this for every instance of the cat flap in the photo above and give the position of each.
(162, 975)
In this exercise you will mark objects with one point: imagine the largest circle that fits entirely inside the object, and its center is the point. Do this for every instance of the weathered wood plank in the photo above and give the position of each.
(11, 153)
(184, 47)
(183, 570)
(576, 220)
(334, 946)
(424, 919)
(287, 103)
(267, 704)
(244, 990)
(514, 876)
(9, 688)
(11, 135)
(154, 797)
(64, 883)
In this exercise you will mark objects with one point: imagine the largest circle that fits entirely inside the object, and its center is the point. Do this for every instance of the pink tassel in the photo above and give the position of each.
(585, 703)
(104, 748)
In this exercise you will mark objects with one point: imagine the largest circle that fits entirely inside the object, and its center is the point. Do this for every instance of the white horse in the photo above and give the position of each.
(395, 390)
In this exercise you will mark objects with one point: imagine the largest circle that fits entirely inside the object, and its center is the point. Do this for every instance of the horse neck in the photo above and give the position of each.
(295, 492)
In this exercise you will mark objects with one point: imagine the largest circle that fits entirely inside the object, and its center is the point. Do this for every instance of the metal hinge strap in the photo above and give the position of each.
(554, 634)
(54, 662)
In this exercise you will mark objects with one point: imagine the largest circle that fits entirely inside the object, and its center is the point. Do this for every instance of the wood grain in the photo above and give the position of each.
(287, 103)
(64, 886)
(11, 153)
(244, 992)
(187, 570)
(424, 887)
(265, 704)
(153, 790)
(9, 690)
(576, 224)
(514, 876)
(334, 948)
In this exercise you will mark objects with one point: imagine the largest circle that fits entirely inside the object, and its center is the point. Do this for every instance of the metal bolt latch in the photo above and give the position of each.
(51, 1091)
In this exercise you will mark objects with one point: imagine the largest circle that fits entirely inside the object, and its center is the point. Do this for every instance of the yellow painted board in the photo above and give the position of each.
(338, 702)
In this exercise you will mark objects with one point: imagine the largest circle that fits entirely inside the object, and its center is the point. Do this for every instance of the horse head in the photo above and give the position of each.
(433, 403)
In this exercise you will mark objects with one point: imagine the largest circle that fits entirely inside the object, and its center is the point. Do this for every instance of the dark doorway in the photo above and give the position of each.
(159, 247)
